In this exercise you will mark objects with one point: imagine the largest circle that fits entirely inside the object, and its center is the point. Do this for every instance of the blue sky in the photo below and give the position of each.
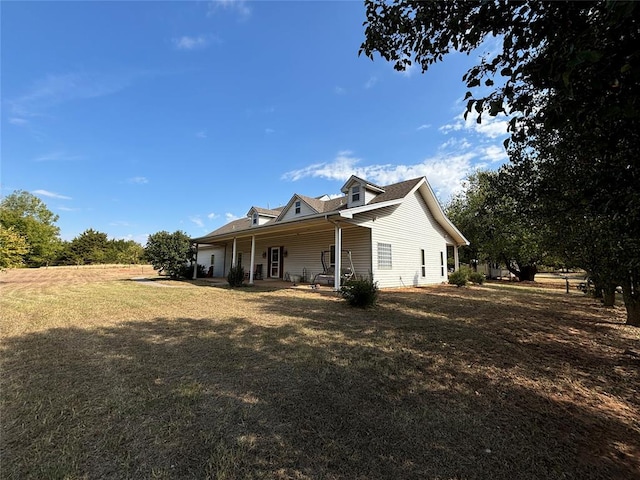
(135, 117)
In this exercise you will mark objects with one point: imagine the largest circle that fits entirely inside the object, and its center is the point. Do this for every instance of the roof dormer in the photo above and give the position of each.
(259, 216)
(360, 192)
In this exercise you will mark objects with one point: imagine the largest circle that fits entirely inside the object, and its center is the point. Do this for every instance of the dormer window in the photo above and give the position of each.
(254, 218)
(355, 193)
(297, 206)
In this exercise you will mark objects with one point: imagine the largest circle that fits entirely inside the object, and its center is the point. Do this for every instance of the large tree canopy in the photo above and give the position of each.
(29, 217)
(568, 73)
(169, 252)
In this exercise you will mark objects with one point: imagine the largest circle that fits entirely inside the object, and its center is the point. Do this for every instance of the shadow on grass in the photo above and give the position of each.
(329, 392)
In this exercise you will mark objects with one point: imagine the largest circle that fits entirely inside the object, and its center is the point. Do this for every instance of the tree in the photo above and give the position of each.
(169, 252)
(90, 247)
(124, 251)
(13, 247)
(569, 75)
(28, 216)
(498, 225)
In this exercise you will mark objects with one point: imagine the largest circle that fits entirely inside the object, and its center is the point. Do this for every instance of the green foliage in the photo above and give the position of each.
(458, 278)
(187, 271)
(29, 217)
(476, 277)
(499, 224)
(13, 247)
(169, 252)
(568, 73)
(360, 293)
(235, 277)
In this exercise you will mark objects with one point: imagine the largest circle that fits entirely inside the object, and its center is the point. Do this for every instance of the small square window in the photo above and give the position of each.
(298, 207)
(254, 220)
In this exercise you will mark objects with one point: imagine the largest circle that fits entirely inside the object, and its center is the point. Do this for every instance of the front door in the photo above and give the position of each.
(275, 263)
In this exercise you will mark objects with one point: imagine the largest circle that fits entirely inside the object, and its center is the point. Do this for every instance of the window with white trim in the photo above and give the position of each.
(254, 218)
(423, 264)
(297, 205)
(384, 256)
(442, 264)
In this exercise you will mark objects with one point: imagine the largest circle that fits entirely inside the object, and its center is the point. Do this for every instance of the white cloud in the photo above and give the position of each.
(445, 171)
(230, 217)
(59, 88)
(59, 156)
(371, 82)
(212, 216)
(495, 154)
(238, 6)
(46, 193)
(491, 127)
(191, 43)
(424, 126)
(197, 220)
(68, 209)
(201, 134)
(138, 180)
(18, 121)
(339, 91)
(269, 131)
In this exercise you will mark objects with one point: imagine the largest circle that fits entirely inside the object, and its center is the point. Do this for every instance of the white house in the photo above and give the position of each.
(397, 234)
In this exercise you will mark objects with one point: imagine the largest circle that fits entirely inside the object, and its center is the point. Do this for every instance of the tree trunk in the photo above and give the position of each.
(527, 273)
(631, 295)
(609, 295)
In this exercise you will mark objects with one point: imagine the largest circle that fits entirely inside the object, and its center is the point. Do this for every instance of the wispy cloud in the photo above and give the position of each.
(229, 217)
(18, 121)
(424, 126)
(58, 156)
(192, 43)
(68, 209)
(55, 89)
(237, 6)
(339, 91)
(371, 82)
(201, 134)
(491, 127)
(47, 193)
(446, 170)
(137, 180)
(212, 216)
(197, 220)
(269, 131)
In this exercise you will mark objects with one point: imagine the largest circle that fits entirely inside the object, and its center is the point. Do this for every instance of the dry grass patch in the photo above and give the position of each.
(110, 378)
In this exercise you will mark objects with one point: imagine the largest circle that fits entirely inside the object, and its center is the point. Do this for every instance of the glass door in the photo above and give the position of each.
(274, 271)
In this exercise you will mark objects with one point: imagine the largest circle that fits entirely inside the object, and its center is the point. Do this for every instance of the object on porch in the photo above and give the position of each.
(328, 272)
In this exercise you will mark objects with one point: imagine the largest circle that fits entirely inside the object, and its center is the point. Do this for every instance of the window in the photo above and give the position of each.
(332, 257)
(254, 220)
(297, 207)
(442, 264)
(355, 193)
(239, 259)
(384, 256)
(424, 267)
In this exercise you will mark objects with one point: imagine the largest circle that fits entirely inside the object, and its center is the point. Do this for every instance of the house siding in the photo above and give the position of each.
(303, 251)
(408, 228)
(291, 214)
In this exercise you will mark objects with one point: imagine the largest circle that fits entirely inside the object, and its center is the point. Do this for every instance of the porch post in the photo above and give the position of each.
(338, 266)
(456, 259)
(195, 265)
(233, 253)
(253, 258)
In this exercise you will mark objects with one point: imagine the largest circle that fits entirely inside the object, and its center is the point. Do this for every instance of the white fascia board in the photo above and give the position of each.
(350, 212)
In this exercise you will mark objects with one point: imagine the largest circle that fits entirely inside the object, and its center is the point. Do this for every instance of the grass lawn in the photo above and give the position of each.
(104, 377)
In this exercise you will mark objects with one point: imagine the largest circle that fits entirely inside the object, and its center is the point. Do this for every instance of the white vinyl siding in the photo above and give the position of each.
(291, 214)
(206, 254)
(304, 249)
(409, 228)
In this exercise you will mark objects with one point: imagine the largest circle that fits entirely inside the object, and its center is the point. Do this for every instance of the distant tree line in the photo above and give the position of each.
(30, 238)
